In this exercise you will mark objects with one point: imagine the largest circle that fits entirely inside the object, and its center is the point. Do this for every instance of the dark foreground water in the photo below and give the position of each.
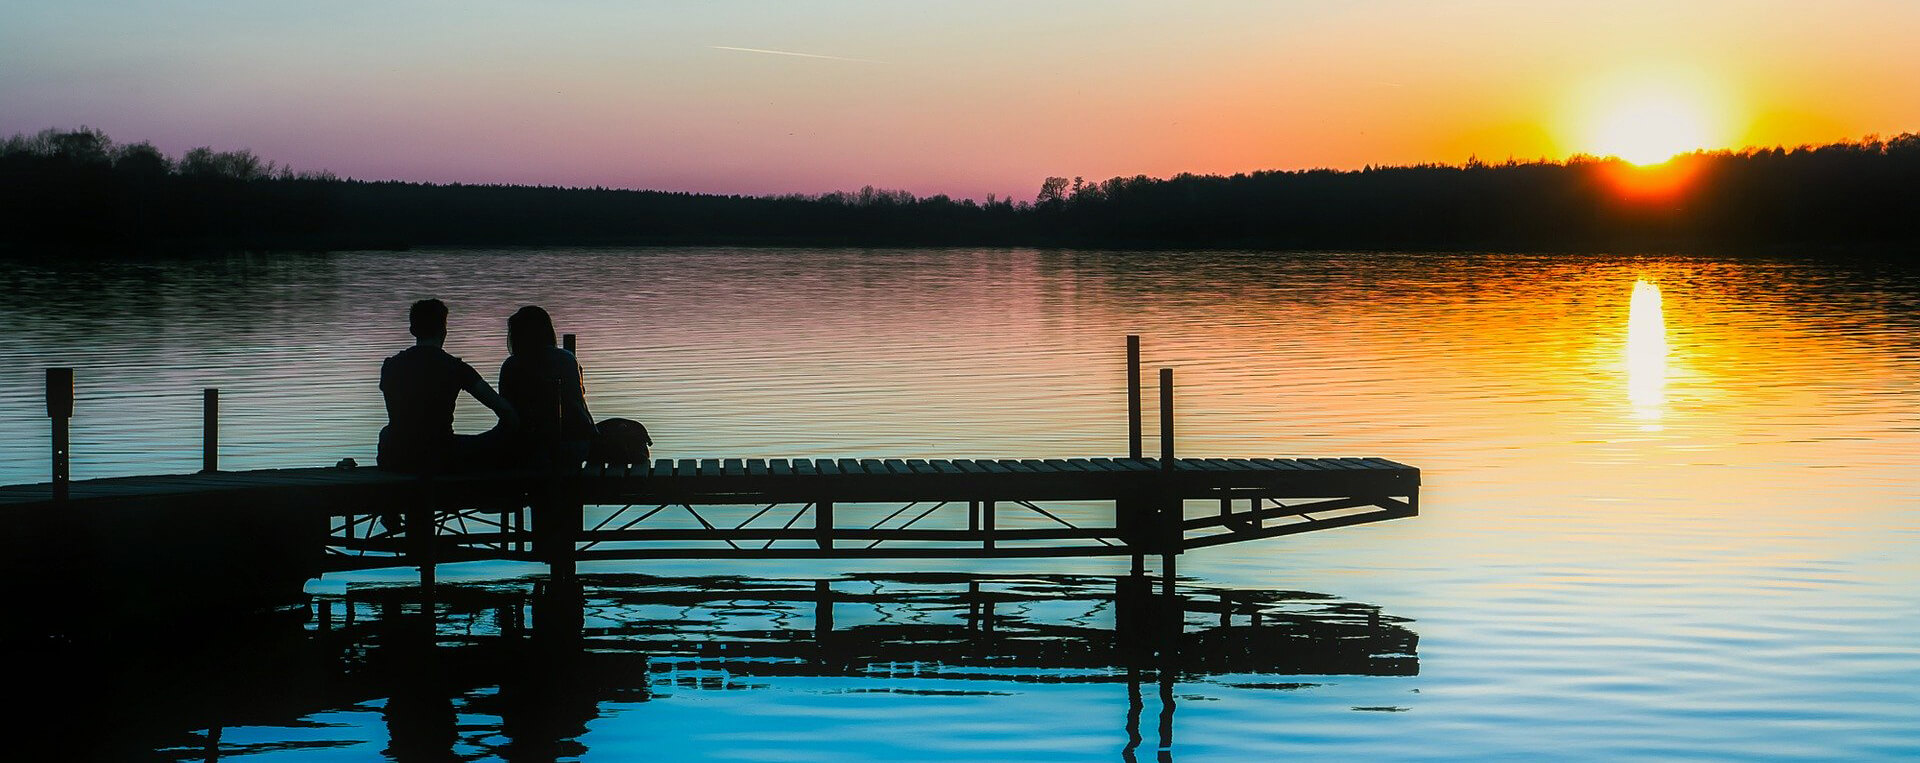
(1672, 505)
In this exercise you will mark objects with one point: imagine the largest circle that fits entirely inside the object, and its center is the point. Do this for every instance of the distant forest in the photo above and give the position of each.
(76, 191)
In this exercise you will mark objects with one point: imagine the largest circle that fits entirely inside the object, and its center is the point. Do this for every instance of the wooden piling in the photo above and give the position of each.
(1133, 396)
(822, 610)
(420, 537)
(60, 411)
(210, 429)
(566, 341)
(1135, 447)
(507, 619)
(556, 525)
(1166, 419)
(1170, 511)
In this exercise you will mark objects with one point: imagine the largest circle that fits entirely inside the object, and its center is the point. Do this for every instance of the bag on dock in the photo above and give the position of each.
(620, 441)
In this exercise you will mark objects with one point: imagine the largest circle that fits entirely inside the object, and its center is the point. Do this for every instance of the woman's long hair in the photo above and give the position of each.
(528, 330)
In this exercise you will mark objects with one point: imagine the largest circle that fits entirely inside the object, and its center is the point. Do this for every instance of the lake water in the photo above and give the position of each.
(1671, 505)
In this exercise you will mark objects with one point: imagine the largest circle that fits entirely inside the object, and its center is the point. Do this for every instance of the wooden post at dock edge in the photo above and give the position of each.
(1135, 449)
(1133, 396)
(210, 429)
(60, 411)
(1166, 419)
(566, 341)
(1170, 513)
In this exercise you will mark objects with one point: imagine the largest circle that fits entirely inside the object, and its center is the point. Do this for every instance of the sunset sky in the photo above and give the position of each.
(965, 99)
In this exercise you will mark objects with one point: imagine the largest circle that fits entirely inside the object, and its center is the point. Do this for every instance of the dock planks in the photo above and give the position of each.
(1253, 498)
(841, 479)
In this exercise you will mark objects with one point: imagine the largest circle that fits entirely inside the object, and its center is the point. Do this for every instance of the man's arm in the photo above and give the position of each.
(483, 392)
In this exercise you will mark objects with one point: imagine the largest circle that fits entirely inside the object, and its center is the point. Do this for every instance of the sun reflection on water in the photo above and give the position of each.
(1646, 355)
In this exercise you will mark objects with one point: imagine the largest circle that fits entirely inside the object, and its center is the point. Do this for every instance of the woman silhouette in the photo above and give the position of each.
(543, 383)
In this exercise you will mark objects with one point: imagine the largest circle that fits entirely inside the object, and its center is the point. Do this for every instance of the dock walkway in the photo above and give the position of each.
(720, 508)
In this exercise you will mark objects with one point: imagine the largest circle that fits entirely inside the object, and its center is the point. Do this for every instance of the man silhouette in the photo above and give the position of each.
(421, 384)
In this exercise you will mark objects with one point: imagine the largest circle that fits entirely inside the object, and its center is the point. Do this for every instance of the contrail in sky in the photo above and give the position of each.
(791, 53)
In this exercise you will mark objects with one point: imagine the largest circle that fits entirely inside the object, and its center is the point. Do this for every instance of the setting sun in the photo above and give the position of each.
(1652, 130)
(1647, 116)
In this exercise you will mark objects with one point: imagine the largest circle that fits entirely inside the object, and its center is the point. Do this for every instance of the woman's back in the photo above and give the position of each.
(545, 387)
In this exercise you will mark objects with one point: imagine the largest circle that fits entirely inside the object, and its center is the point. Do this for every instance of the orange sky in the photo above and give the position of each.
(965, 99)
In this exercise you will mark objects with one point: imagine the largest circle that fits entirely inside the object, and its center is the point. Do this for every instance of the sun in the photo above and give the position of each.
(1646, 116)
(1651, 130)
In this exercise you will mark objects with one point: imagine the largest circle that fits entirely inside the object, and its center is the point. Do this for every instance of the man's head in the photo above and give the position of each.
(428, 319)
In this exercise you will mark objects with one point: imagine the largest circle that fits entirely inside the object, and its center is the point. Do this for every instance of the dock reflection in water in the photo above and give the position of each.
(500, 670)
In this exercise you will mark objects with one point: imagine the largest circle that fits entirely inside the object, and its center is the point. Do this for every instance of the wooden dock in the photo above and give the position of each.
(256, 537)
(261, 534)
(793, 507)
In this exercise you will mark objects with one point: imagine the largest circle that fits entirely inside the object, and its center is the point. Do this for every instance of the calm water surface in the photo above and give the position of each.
(1671, 505)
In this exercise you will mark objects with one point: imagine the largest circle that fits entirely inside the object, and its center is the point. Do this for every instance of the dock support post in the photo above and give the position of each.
(1133, 396)
(506, 619)
(1166, 419)
(60, 410)
(986, 522)
(420, 532)
(823, 524)
(210, 429)
(559, 613)
(822, 610)
(561, 521)
(566, 341)
(1170, 510)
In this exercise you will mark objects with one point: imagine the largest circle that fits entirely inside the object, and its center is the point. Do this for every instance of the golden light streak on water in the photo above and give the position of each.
(1646, 355)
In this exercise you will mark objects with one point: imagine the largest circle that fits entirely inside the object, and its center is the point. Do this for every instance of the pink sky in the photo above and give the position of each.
(963, 99)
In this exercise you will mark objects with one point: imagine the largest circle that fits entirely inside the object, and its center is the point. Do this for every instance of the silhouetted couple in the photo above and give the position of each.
(541, 404)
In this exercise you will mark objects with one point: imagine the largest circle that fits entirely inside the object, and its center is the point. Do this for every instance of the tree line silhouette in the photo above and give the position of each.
(77, 191)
